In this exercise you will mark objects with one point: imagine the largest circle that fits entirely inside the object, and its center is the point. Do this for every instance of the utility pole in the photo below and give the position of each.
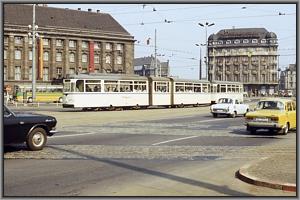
(155, 54)
(33, 53)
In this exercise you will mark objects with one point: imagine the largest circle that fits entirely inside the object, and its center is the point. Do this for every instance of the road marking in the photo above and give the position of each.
(175, 140)
(79, 134)
(209, 120)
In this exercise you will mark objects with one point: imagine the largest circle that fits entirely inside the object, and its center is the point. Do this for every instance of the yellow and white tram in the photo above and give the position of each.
(115, 90)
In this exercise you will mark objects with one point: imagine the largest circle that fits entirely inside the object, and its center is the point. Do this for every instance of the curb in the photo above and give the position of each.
(243, 175)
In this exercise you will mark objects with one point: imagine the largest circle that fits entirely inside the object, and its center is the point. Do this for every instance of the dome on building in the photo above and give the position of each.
(271, 35)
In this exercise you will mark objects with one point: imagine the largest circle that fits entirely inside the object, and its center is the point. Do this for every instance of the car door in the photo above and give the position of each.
(11, 128)
(291, 115)
(238, 107)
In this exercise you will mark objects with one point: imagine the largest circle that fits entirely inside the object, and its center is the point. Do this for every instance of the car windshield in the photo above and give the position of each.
(274, 105)
(225, 100)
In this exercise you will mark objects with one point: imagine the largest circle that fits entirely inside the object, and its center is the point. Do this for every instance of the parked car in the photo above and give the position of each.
(273, 114)
(28, 127)
(230, 107)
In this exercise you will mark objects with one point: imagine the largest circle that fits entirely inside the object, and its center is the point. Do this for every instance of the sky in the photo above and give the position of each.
(178, 31)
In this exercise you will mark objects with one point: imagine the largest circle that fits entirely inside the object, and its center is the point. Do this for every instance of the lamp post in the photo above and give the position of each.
(34, 34)
(207, 24)
(200, 62)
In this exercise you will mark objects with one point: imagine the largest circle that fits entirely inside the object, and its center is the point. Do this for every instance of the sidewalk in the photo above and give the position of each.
(278, 172)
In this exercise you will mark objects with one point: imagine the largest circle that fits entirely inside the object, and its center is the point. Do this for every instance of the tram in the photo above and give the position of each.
(92, 91)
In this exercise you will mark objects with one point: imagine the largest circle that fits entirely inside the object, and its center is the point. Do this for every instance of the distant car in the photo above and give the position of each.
(230, 107)
(272, 114)
(27, 127)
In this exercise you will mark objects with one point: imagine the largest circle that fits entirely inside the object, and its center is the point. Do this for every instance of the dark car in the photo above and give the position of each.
(27, 127)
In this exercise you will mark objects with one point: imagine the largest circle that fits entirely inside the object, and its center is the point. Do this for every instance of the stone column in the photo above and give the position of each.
(128, 58)
(66, 66)
(78, 55)
(11, 56)
(102, 57)
(52, 59)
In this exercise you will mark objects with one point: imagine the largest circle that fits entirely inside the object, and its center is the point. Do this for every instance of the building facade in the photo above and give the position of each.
(247, 55)
(69, 42)
(145, 66)
(287, 81)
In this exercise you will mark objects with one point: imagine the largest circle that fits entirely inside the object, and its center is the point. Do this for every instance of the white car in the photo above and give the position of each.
(230, 107)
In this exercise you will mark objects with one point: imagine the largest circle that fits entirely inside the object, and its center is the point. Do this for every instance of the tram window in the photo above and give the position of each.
(111, 86)
(218, 88)
(205, 88)
(161, 86)
(126, 86)
(79, 86)
(93, 88)
(189, 87)
(223, 88)
(139, 86)
(197, 88)
(179, 87)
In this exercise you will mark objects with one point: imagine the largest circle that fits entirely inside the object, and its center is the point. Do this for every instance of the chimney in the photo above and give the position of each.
(79, 9)
(89, 9)
(98, 11)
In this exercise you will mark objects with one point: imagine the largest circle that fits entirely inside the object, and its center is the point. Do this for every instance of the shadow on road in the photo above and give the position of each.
(221, 189)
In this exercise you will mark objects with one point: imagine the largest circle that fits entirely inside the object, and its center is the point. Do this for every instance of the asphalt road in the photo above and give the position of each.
(167, 152)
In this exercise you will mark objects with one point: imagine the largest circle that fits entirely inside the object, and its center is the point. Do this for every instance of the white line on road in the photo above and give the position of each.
(209, 120)
(175, 140)
(79, 134)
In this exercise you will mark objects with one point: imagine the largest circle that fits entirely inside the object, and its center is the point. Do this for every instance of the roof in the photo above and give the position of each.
(21, 14)
(107, 76)
(243, 33)
(144, 61)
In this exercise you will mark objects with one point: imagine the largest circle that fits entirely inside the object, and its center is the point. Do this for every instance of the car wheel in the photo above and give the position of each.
(60, 100)
(233, 115)
(251, 130)
(36, 139)
(215, 115)
(285, 129)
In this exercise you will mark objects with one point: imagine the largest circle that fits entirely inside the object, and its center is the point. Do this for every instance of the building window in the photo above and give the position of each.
(84, 58)
(46, 74)
(96, 45)
(236, 41)
(72, 43)
(119, 60)
(46, 56)
(107, 59)
(254, 41)
(59, 72)
(18, 54)
(45, 41)
(5, 72)
(17, 73)
(18, 40)
(245, 41)
(5, 54)
(96, 59)
(30, 73)
(59, 43)
(72, 57)
(120, 47)
(72, 71)
(263, 41)
(30, 55)
(5, 39)
(30, 40)
(85, 44)
(220, 42)
(228, 41)
(58, 56)
(108, 46)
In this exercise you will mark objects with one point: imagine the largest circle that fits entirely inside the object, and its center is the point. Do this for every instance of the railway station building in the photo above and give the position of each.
(68, 42)
(247, 55)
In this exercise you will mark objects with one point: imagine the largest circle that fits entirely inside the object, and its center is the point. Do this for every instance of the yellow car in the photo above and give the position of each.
(274, 114)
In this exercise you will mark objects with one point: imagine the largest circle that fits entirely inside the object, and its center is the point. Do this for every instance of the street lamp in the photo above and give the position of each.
(207, 24)
(34, 34)
(200, 62)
